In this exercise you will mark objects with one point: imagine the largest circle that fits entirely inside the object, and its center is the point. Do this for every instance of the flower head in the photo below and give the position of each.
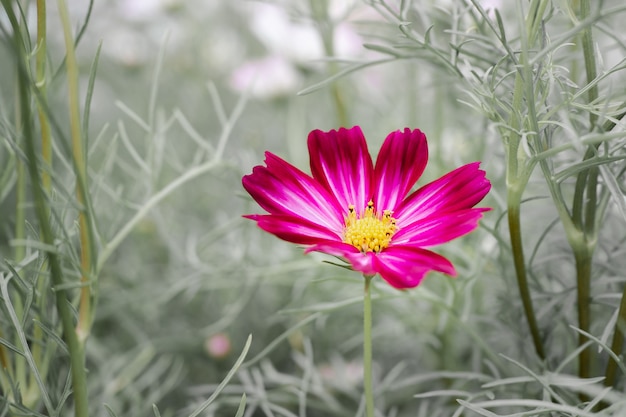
(365, 213)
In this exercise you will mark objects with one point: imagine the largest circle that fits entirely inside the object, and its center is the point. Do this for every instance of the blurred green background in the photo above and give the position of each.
(182, 83)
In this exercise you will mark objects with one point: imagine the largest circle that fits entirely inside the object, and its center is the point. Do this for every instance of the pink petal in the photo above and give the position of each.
(401, 266)
(438, 229)
(294, 229)
(362, 262)
(405, 266)
(340, 162)
(400, 163)
(458, 190)
(281, 188)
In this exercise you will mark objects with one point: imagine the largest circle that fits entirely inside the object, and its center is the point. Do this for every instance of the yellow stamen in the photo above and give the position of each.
(370, 232)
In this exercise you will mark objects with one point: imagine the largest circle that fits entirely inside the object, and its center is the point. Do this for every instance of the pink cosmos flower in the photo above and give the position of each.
(358, 211)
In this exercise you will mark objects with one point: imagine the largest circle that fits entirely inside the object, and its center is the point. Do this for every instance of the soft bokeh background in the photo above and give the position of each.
(181, 82)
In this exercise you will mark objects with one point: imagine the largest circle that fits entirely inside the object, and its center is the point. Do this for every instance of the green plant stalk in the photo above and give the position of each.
(20, 211)
(516, 180)
(75, 347)
(342, 113)
(76, 351)
(618, 342)
(582, 253)
(84, 308)
(367, 348)
(20, 190)
(590, 59)
(579, 192)
(618, 337)
(31, 394)
(515, 231)
(583, 250)
(42, 82)
(580, 249)
(319, 9)
(584, 259)
(583, 256)
(535, 18)
(584, 207)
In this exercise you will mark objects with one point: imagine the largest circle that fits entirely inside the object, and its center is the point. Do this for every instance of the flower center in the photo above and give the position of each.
(370, 232)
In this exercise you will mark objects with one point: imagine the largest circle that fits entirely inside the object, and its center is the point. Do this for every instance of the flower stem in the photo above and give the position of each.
(515, 232)
(367, 348)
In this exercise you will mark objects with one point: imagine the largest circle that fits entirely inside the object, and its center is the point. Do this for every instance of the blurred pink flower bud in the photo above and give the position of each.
(218, 346)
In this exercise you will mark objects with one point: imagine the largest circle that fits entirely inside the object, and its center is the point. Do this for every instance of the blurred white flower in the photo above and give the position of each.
(266, 78)
(347, 42)
(291, 44)
(299, 40)
(280, 35)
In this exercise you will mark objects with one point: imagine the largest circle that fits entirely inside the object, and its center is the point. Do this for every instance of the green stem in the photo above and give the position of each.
(367, 348)
(579, 192)
(20, 208)
(583, 282)
(319, 10)
(587, 177)
(584, 206)
(580, 225)
(20, 197)
(618, 342)
(75, 348)
(46, 143)
(76, 351)
(515, 232)
(46, 153)
(342, 113)
(84, 309)
(590, 59)
(517, 174)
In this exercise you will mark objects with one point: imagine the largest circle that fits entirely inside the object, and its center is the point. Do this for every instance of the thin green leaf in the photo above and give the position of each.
(343, 73)
(225, 381)
(110, 411)
(242, 406)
